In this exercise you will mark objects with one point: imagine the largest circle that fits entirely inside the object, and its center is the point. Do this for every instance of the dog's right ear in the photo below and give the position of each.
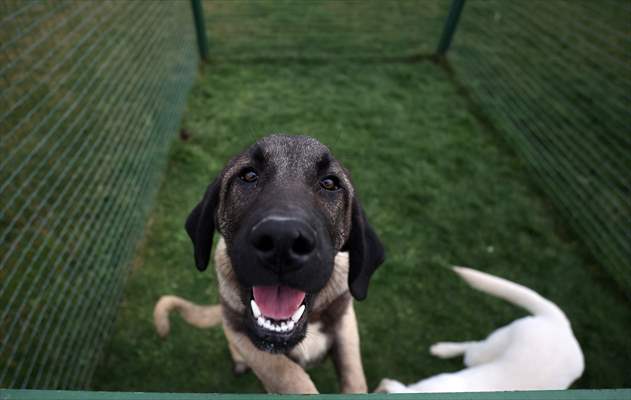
(200, 225)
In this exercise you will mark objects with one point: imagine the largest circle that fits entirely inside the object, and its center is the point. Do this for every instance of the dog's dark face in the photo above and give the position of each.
(285, 208)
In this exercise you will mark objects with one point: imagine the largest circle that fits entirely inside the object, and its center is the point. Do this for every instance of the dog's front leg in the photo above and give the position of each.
(277, 372)
(347, 355)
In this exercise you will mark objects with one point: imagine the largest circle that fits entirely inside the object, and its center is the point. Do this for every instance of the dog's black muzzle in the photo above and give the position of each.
(283, 244)
(283, 247)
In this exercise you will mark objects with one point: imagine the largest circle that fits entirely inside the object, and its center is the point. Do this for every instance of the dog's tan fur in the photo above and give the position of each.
(332, 327)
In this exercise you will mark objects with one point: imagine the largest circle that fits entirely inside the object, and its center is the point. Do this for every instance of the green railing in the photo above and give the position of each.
(91, 94)
(622, 394)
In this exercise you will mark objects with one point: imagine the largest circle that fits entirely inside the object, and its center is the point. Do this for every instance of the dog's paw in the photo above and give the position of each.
(390, 386)
(446, 349)
(383, 386)
(240, 368)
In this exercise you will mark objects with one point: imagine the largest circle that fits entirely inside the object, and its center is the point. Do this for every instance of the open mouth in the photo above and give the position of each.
(277, 308)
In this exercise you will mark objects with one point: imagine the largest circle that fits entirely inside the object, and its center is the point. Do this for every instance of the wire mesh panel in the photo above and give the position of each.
(90, 95)
(261, 29)
(555, 76)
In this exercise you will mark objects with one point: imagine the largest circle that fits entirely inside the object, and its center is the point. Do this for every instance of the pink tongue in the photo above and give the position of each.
(277, 302)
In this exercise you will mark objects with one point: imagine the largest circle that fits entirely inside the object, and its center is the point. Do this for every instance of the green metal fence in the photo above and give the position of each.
(324, 30)
(554, 77)
(91, 93)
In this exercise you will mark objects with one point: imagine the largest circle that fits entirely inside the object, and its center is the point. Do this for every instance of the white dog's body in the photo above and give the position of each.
(532, 353)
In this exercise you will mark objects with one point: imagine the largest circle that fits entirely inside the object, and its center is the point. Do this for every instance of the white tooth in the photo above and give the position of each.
(277, 328)
(260, 321)
(255, 309)
(298, 313)
(268, 324)
(290, 325)
(283, 327)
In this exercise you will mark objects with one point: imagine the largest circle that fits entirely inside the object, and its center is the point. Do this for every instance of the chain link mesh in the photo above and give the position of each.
(555, 78)
(91, 93)
(240, 30)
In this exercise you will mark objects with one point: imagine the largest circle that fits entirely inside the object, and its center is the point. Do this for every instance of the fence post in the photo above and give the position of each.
(450, 27)
(200, 29)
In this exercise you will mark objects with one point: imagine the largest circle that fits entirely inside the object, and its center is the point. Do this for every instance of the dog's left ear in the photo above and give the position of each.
(365, 252)
(200, 225)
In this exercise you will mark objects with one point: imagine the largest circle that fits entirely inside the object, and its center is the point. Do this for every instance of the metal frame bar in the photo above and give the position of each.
(200, 29)
(450, 27)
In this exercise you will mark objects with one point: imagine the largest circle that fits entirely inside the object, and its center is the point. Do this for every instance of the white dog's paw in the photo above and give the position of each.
(390, 386)
(447, 349)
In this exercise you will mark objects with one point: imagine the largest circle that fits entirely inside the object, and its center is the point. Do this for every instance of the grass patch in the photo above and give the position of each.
(440, 189)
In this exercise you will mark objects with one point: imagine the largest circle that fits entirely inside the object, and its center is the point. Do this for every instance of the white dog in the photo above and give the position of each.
(532, 353)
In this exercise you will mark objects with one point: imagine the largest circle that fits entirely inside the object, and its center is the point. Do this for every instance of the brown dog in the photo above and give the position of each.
(295, 246)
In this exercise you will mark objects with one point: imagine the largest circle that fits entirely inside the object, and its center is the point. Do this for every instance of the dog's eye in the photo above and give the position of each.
(249, 175)
(330, 183)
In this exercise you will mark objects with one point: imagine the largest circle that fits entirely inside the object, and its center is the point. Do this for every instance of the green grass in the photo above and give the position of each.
(439, 187)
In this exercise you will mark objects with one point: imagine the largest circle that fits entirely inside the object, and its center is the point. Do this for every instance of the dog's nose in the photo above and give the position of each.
(283, 244)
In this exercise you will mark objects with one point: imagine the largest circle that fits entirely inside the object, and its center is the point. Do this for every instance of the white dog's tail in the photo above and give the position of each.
(194, 314)
(511, 292)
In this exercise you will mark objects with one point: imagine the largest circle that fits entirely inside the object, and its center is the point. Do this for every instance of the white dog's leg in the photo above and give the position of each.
(450, 349)
(488, 349)
(475, 353)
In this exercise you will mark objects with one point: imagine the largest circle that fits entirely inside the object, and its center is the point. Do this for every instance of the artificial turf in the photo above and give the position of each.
(440, 188)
